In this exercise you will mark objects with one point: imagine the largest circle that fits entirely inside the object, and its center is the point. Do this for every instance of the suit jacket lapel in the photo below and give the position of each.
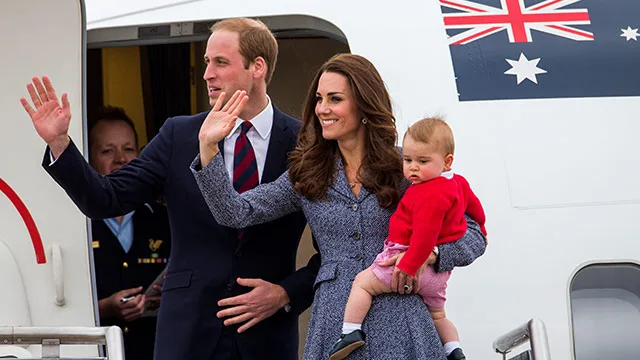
(221, 147)
(277, 153)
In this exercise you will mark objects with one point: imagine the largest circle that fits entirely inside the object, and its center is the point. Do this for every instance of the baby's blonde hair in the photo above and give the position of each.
(433, 130)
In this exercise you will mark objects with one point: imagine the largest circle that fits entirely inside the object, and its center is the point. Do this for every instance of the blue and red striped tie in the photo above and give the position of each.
(245, 167)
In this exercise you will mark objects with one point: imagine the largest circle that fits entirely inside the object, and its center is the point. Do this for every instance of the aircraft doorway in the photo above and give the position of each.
(153, 79)
(605, 310)
(157, 78)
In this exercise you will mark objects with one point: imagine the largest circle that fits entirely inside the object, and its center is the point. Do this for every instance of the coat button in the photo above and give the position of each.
(356, 235)
(358, 257)
(126, 329)
(125, 265)
(229, 286)
(354, 207)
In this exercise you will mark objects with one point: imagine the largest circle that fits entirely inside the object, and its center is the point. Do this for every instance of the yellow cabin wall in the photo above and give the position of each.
(122, 85)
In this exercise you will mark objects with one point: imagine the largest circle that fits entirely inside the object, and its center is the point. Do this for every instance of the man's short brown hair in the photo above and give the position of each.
(111, 114)
(256, 40)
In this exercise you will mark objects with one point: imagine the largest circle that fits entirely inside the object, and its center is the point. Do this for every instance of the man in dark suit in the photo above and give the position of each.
(228, 294)
(129, 251)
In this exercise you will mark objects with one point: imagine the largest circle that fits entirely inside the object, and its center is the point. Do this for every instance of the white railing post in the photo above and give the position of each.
(52, 337)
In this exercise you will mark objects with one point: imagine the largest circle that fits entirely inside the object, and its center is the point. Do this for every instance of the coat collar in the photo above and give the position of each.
(262, 123)
(277, 154)
(276, 161)
(341, 184)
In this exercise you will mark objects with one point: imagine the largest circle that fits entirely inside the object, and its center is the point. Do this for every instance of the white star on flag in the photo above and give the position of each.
(524, 68)
(630, 33)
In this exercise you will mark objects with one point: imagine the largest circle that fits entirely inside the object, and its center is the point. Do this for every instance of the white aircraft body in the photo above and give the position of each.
(552, 154)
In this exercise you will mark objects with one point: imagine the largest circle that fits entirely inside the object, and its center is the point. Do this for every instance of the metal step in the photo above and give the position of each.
(52, 337)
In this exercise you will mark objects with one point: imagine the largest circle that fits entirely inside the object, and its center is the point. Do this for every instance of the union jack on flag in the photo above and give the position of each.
(516, 18)
(533, 49)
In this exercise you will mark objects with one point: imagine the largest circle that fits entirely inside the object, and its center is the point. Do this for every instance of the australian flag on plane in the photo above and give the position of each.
(528, 49)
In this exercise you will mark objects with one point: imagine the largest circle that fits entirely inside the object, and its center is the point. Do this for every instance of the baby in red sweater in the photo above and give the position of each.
(430, 213)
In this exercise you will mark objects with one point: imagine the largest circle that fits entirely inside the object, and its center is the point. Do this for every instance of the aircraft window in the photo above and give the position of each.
(605, 311)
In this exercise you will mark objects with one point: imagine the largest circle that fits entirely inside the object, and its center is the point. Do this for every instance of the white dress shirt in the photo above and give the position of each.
(258, 135)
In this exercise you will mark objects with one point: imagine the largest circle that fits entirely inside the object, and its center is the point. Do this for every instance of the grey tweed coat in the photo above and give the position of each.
(350, 232)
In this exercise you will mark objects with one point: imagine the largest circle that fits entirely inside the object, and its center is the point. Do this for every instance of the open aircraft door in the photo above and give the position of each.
(45, 255)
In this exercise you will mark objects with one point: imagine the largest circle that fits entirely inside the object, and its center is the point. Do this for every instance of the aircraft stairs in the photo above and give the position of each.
(532, 336)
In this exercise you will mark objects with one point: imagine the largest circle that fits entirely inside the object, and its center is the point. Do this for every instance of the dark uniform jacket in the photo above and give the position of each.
(116, 270)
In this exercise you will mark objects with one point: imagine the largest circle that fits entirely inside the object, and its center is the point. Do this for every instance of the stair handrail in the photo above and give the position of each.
(52, 337)
(534, 331)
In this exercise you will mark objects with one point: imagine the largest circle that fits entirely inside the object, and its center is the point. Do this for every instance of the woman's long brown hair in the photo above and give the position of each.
(313, 162)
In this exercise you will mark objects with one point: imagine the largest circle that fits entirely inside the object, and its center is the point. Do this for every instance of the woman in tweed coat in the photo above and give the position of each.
(346, 176)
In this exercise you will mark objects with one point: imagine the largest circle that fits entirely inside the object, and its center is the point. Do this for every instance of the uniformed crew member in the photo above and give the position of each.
(129, 251)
